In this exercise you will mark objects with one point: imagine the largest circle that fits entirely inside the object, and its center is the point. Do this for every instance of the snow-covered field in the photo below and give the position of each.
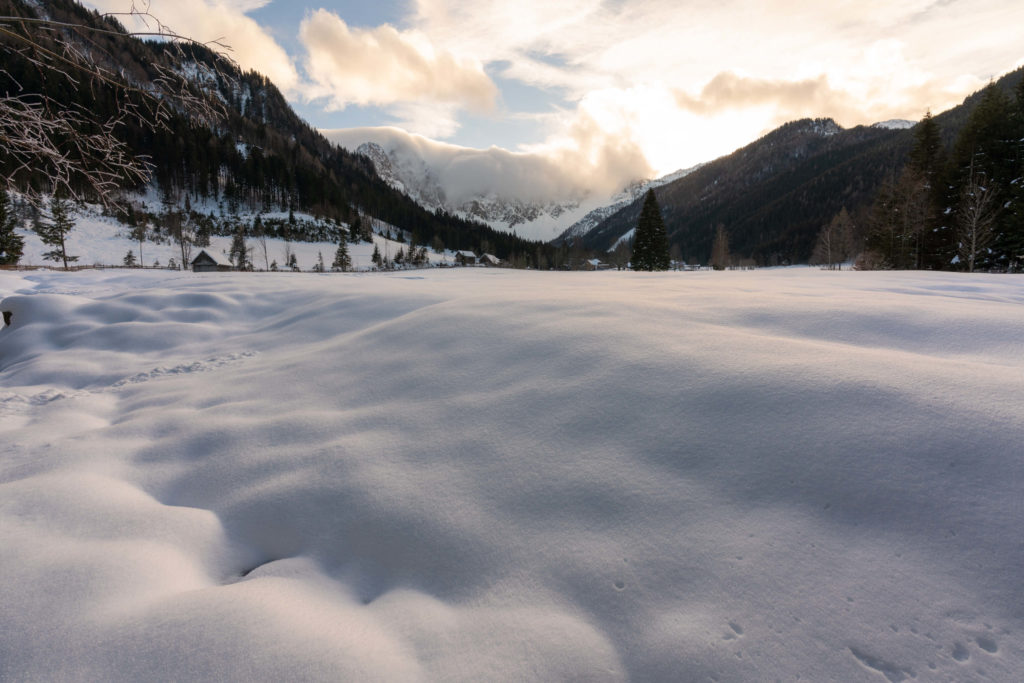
(99, 240)
(468, 475)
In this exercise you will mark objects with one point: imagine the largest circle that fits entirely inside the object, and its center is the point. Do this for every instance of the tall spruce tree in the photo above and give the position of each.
(12, 245)
(54, 231)
(650, 244)
(926, 199)
(342, 261)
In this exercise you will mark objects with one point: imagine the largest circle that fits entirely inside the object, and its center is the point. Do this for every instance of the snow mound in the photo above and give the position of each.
(495, 475)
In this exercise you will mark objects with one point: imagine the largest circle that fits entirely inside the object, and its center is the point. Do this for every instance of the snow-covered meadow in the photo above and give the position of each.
(474, 474)
(100, 240)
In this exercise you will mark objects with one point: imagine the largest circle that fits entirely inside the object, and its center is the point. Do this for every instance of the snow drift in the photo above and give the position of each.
(483, 474)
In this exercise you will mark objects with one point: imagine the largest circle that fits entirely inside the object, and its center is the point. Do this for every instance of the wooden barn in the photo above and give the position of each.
(204, 262)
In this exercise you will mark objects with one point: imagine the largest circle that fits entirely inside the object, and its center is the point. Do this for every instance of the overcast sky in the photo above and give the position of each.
(626, 88)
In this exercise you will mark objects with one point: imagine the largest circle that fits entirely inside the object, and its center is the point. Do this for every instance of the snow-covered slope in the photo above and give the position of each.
(531, 194)
(620, 201)
(412, 175)
(497, 475)
(895, 124)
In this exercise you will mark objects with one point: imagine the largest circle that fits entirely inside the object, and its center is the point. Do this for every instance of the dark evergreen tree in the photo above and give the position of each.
(1013, 238)
(12, 245)
(129, 259)
(54, 232)
(376, 258)
(238, 253)
(342, 261)
(650, 243)
(926, 196)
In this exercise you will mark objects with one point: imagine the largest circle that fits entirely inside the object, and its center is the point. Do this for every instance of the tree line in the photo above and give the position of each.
(955, 205)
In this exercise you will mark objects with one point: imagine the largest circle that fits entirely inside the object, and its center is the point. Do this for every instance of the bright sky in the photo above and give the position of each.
(626, 87)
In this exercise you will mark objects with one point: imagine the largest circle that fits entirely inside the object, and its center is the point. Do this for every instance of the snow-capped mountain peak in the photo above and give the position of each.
(895, 124)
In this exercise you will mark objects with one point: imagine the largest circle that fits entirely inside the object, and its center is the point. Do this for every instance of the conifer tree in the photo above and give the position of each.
(54, 231)
(239, 252)
(12, 245)
(129, 259)
(650, 244)
(355, 229)
(376, 258)
(342, 261)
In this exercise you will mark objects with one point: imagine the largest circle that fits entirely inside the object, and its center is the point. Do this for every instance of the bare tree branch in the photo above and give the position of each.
(75, 151)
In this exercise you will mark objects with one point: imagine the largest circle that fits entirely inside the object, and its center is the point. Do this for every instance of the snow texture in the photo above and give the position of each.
(480, 474)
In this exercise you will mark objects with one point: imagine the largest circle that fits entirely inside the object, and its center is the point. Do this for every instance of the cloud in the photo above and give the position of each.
(430, 119)
(251, 45)
(384, 66)
(536, 177)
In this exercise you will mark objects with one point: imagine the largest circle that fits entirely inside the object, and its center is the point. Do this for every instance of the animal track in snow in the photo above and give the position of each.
(186, 368)
(891, 671)
(987, 644)
(12, 402)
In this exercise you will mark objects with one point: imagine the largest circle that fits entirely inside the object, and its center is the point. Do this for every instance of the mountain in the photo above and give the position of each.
(629, 195)
(774, 195)
(509, 191)
(259, 156)
(525, 193)
(895, 124)
(412, 175)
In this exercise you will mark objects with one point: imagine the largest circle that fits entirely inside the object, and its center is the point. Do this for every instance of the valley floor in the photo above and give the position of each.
(473, 474)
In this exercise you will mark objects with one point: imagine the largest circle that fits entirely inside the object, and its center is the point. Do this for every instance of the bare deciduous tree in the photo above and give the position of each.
(720, 259)
(976, 218)
(78, 154)
(835, 241)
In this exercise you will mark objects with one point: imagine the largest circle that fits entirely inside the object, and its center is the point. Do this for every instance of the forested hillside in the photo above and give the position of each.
(258, 155)
(773, 196)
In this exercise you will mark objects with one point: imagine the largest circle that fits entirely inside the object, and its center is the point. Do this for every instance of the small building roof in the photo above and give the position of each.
(219, 259)
(490, 258)
(465, 254)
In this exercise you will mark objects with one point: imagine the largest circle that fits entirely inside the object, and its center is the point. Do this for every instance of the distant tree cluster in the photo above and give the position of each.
(253, 152)
(960, 207)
